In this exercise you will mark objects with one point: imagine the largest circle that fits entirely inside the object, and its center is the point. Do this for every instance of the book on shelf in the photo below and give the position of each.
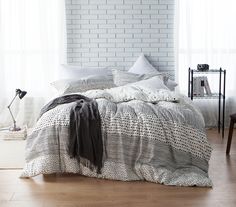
(207, 86)
(197, 89)
(200, 84)
(195, 86)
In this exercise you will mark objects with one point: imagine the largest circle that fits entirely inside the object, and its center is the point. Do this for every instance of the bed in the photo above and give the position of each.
(149, 133)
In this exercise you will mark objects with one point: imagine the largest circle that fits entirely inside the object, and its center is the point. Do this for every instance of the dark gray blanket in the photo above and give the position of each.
(85, 136)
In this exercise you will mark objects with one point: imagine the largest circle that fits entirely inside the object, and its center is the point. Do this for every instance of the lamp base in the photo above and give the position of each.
(14, 129)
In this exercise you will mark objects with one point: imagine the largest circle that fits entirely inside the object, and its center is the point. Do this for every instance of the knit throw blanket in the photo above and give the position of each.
(85, 137)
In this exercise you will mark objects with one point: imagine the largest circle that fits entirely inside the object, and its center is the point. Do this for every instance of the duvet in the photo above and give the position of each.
(152, 135)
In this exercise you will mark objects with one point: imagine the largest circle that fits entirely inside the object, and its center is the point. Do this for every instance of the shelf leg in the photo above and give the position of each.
(219, 105)
(191, 84)
(223, 121)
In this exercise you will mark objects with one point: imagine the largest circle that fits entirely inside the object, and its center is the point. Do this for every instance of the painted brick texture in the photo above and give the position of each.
(113, 33)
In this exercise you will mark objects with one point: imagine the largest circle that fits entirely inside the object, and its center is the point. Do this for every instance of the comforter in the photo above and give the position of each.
(152, 135)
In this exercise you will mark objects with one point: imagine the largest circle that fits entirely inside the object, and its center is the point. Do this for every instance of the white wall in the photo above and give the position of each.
(114, 32)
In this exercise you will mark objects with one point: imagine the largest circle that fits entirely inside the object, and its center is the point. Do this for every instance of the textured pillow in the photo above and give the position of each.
(65, 86)
(123, 77)
(142, 66)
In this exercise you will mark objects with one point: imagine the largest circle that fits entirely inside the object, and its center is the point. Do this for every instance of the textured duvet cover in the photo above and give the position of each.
(152, 135)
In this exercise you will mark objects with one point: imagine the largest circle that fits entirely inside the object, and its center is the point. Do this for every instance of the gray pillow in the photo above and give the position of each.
(65, 86)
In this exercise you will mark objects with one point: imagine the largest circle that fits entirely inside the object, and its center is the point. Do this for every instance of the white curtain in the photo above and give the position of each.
(206, 33)
(32, 47)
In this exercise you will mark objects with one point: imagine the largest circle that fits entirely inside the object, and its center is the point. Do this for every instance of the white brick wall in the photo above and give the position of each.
(114, 32)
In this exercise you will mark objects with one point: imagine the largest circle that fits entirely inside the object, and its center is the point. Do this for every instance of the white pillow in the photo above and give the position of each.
(65, 86)
(121, 78)
(76, 72)
(142, 66)
(152, 84)
(171, 84)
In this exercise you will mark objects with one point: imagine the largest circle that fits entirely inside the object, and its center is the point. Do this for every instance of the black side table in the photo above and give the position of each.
(220, 95)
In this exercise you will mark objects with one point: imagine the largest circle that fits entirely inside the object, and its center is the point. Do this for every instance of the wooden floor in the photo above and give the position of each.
(68, 191)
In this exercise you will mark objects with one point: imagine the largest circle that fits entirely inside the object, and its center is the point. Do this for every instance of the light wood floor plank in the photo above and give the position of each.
(75, 190)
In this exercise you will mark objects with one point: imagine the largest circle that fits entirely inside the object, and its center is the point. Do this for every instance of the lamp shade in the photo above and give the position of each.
(22, 94)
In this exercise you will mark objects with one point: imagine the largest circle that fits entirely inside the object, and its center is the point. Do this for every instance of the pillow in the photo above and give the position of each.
(168, 82)
(65, 86)
(74, 72)
(142, 66)
(152, 84)
(171, 84)
(121, 78)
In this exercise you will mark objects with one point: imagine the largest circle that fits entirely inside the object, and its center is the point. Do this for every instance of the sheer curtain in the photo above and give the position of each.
(207, 34)
(32, 47)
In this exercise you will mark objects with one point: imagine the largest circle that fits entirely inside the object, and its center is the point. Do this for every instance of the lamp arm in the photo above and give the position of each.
(9, 108)
(12, 100)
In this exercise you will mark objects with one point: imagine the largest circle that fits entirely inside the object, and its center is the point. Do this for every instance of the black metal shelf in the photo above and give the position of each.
(207, 71)
(220, 95)
(213, 96)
